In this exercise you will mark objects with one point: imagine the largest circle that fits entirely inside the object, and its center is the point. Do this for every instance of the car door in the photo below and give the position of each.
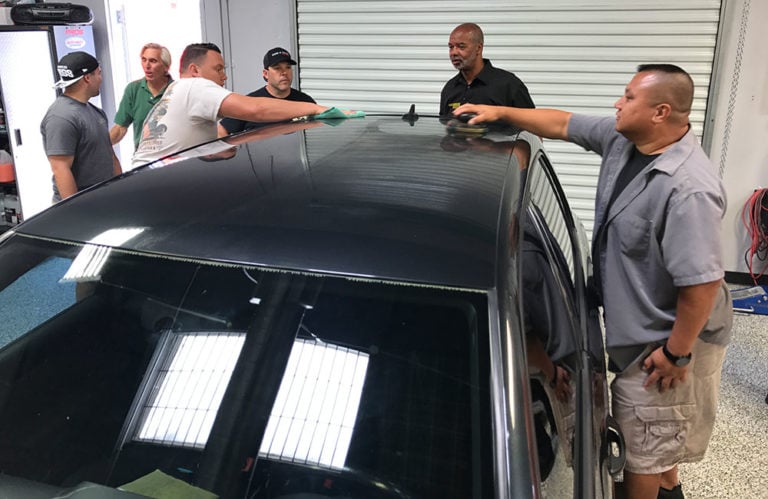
(574, 430)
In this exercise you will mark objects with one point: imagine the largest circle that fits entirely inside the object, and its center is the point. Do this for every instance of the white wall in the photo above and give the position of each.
(213, 22)
(254, 28)
(101, 39)
(739, 119)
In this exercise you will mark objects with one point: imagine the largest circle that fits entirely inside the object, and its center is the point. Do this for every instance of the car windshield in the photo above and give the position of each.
(123, 368)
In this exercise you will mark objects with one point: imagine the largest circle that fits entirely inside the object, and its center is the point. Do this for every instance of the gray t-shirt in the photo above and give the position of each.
(662, 232)
(73, 128)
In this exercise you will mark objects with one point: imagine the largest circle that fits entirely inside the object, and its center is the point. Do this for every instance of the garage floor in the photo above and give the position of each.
(736, 464)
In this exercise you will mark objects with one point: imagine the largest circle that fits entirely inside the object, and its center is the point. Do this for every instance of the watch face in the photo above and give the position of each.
(682, 361)
(679, 361)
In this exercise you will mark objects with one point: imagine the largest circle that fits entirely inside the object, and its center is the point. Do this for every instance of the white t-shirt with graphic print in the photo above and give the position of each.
(186, 116)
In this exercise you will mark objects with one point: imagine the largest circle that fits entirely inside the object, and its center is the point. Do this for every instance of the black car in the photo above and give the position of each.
(363, 308)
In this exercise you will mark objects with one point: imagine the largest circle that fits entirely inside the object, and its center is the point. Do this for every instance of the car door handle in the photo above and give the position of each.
(617, 450)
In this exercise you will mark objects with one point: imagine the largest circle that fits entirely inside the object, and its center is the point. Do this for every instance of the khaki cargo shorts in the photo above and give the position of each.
(664, 429)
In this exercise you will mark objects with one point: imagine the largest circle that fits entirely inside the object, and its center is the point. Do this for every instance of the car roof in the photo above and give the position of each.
(377, 197)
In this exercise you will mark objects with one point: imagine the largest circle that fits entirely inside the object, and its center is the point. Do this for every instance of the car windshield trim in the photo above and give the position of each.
(250, 265)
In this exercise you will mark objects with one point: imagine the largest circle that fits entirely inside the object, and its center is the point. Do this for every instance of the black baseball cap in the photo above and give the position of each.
(74, 66)
(276, 56)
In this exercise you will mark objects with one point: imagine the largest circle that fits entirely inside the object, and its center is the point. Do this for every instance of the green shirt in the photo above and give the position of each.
(136, 103)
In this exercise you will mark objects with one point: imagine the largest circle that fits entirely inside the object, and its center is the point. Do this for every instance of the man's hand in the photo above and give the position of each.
(694, 305)
(547, 123)
(662, 372)
(561, 384)
(484, 113)
(335, 113)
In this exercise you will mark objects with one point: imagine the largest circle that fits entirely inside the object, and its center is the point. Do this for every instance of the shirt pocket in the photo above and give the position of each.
(634, 235)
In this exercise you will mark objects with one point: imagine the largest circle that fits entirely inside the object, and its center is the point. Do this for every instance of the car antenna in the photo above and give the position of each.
(411, 117)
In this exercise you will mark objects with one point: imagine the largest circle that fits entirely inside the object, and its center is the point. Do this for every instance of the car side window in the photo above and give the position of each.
(548, 311)
(26, 304)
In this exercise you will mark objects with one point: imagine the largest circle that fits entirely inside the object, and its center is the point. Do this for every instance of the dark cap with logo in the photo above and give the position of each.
(276, 56)
(74, 66)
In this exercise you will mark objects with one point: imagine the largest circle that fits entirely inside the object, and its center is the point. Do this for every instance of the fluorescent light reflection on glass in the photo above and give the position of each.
(190, 388)
(314, 414)
(88, 263)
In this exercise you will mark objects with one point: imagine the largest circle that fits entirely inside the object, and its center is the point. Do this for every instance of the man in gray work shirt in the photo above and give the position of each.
(658, 268)
(75, 132)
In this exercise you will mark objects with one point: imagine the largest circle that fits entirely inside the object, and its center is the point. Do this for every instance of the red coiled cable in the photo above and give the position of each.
(754, 216)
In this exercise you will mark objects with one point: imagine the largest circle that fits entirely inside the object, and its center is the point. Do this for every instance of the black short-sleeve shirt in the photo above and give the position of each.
(492, 86)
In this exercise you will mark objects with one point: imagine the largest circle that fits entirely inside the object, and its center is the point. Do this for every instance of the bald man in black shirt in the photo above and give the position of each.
(478, 82)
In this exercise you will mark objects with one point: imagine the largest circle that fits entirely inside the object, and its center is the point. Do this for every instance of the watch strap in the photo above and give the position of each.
(675, 359)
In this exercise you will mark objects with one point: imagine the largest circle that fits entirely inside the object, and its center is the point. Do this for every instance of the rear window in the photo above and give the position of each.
(240, 381)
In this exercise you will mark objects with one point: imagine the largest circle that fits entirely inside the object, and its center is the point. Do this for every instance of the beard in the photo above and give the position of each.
(459, 64)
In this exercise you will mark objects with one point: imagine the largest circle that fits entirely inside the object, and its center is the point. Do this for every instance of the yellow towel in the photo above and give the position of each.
(158, 485)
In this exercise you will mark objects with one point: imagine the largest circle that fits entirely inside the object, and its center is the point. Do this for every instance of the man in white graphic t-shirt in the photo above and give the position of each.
(188, 113)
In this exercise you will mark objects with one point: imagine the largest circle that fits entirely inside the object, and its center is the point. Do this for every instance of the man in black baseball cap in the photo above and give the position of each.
(75, 132)
(277, 55)
(73, 66)
(278, 73)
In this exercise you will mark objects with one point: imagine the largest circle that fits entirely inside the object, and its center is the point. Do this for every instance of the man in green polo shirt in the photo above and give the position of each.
(141, 95)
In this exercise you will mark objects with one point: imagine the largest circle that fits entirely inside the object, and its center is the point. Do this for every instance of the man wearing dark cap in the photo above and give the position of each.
(75, 132)
(278, 73)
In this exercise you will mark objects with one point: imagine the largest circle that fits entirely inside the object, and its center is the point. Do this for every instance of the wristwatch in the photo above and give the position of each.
(678, 360)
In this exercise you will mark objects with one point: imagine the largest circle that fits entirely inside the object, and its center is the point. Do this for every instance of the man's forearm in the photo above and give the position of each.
(265, 109)
(694, 305)
(548, 123)
(61, 166)
(279, 109)
(65, 183)
(116, 168)
(116, 133)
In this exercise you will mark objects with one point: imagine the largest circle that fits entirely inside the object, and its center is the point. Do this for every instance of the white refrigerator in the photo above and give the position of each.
(28, 57)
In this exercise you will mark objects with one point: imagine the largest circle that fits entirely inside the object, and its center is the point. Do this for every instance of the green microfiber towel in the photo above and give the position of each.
(158, 485)
(336, 113)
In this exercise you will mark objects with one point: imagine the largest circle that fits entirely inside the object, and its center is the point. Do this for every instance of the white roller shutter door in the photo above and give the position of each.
(384, 55)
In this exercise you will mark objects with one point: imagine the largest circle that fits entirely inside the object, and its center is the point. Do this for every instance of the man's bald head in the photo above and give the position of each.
(473, 30)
